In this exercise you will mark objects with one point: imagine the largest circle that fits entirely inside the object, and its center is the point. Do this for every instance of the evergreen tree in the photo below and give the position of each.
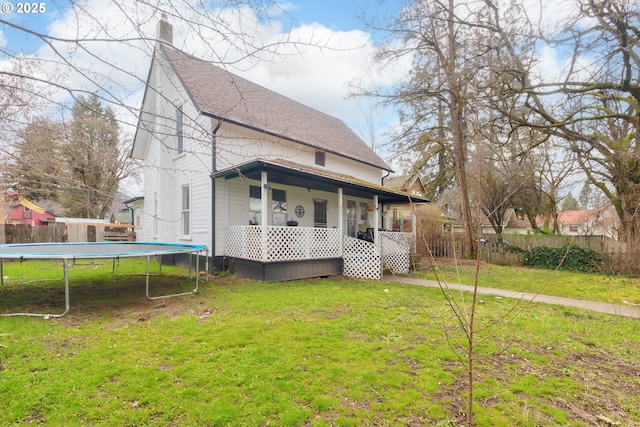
(586, 196)
(36, 169)
(570, 203)
(94, 159)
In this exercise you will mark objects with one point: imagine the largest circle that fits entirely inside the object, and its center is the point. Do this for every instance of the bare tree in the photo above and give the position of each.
(103, 50)
(529, 198)
(557, 167)
(429, 33)
(594, 103)
(498, 178)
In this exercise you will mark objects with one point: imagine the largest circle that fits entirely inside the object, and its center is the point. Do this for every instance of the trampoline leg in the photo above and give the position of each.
(65, 264)
(174, 295)
(67, 305)
(146, 279)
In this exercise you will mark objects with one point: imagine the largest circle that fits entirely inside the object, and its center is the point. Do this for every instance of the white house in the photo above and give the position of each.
(590, 222)
(275, 189)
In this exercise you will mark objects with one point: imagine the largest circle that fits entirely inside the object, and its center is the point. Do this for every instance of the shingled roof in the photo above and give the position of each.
(221, 94)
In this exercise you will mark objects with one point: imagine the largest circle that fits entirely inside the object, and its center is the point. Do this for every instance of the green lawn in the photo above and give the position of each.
(593, 287)
(331, 352)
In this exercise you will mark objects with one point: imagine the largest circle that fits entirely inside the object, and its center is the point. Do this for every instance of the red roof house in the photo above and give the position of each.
(22, 211)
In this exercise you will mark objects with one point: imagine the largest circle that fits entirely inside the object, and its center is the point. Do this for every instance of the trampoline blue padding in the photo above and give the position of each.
(103, 250)
(94, 250)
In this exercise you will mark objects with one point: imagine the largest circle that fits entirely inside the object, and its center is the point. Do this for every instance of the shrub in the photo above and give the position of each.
(577, 258)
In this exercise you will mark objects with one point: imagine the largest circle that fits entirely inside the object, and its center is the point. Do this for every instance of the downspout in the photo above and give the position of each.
(214, 169)
(385, 177)
(380, 213)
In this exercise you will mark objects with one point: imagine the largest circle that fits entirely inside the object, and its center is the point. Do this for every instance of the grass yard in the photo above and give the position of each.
(331, 352)
(592, 287)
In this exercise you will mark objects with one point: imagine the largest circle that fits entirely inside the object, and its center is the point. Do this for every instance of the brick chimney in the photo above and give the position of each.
(164, 30)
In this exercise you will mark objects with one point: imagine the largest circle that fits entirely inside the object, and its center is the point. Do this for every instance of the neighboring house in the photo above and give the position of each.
(590, 222)
(403, 217)
(124, 216)
(230, 164)
(22, 211)
(510, 224)
(136, 204)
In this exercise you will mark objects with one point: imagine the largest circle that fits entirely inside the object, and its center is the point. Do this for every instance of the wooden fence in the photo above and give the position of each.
(494, 251)
(69, 232)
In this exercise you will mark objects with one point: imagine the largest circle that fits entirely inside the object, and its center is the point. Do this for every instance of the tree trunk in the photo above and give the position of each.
(459, 143)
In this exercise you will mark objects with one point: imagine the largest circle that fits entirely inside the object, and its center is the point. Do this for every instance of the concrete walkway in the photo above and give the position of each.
(602, 307)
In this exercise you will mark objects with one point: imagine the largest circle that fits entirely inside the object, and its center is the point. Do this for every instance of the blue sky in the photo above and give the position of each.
(318, 77)
(342, 15)
(334, 14)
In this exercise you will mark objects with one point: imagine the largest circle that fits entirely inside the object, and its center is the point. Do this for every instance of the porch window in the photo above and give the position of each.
(363, 212)
(179, 131)
(255, 205)
(320, 213)
(186, 212)
(351, 218)
(279, 207)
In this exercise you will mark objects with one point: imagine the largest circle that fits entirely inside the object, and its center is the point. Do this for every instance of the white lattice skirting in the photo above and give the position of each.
(396, 251)
(361, 259)
(282, 243)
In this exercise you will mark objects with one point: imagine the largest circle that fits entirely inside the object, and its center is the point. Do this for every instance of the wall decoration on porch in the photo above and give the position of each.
(299, 211)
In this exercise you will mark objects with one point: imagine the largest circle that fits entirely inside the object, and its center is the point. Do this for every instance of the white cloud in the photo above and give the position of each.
(306, 62)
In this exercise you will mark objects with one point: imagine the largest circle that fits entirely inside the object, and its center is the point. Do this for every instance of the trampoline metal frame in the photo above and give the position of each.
(170, 249)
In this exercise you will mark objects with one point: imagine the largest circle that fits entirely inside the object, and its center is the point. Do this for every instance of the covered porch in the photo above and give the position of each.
(261, 250)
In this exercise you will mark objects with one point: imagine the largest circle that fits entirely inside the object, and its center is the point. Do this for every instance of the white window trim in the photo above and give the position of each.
(179, 128)
(183, 211)
(155, 215)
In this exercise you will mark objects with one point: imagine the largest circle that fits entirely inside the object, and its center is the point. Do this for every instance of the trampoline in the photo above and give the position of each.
(99, 250)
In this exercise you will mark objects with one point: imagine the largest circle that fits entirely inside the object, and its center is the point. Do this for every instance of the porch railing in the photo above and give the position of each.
(396, 250)
(283, 243)
(362, 259)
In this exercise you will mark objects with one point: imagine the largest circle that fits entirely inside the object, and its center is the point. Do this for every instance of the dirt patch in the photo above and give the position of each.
(605, 387)
(120, 298)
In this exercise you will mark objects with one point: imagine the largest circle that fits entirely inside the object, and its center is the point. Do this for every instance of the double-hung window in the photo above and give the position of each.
(279, 207)
(179, 131)
(255, 205)
(186, 212)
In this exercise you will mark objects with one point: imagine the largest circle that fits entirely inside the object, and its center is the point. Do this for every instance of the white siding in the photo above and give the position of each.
(233, 205)
(238, 145)
(166, 170)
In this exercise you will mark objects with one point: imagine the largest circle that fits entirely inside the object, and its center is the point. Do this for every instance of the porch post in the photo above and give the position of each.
(340, 213)
(376, 234)
(340, 223)
(414, 227)
(376, 219)
(264, 194)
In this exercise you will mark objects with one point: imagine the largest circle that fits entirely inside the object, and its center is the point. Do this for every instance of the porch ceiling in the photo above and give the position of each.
(290, 173)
